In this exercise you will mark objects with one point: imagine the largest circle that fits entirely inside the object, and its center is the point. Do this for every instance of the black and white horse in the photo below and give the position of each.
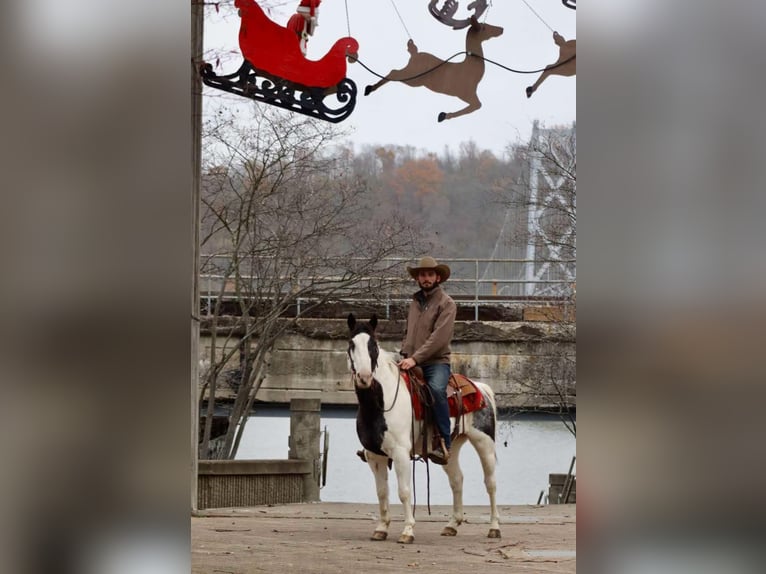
(386, 428)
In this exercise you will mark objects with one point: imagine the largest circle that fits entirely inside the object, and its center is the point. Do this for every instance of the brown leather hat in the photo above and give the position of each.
(442, 271)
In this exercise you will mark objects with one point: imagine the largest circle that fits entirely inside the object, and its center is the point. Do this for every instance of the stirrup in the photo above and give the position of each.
(439, 455)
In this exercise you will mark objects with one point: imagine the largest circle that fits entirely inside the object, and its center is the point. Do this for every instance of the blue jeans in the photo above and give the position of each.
(437, 377)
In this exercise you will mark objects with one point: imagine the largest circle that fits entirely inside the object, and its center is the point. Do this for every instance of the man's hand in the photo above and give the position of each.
(406, 364)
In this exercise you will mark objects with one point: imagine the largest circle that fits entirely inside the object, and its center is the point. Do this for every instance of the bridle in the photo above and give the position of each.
(374, 351)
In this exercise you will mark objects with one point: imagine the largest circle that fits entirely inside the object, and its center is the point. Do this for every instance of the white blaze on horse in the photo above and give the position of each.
(386, 426)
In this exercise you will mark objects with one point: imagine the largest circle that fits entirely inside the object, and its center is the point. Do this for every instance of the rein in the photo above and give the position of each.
(396, 394)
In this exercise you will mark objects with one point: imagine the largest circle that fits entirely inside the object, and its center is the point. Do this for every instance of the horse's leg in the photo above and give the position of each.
(473, 104)
(485, 447)
(379, 466)
(531, 89)
(371, 88)
(401, 457)
(455, 475)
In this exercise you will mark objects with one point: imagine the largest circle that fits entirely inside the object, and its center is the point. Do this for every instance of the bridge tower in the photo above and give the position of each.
(540, 221)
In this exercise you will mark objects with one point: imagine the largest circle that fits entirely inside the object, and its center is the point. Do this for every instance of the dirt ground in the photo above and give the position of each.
(334, 537)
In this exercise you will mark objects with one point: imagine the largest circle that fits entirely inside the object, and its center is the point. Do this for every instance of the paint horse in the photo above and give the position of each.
(566, 65)
(459, 79)
(388, 432)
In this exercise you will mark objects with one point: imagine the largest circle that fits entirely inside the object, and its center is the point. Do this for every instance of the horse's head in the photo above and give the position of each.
(363, 350)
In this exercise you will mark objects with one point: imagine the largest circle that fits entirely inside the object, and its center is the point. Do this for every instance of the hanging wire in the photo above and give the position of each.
(401, 19)
(538, 15)
(374, 73)
(348, 22)
(552, 67)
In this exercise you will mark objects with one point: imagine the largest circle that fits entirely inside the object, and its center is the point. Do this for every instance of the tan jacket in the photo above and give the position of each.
(430, 326)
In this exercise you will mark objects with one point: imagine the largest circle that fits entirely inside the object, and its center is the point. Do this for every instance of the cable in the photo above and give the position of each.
(401, 19)
(551, 67)
(348, 22)
(538, 15)
(413, 77)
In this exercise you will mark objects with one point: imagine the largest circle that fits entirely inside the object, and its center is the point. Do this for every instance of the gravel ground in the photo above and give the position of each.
(334, 537)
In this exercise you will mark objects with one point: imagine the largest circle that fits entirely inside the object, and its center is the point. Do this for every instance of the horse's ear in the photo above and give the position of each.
(351, 321)
(474, 22)
(374, 322)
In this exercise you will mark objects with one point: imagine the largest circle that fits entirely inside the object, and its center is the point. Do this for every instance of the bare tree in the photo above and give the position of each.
(551, 385)
(286, 226)
(541, 214)
(545, 195)
(542, 206)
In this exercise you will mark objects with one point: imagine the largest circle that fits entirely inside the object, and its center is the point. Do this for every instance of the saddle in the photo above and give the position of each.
(463, 396)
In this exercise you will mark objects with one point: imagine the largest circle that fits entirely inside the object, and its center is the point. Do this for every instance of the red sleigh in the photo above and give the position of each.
(276, 72)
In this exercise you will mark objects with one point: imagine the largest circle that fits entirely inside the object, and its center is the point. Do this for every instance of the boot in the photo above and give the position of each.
(439, 455)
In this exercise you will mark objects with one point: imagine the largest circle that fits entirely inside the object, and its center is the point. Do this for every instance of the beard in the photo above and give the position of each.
(428, 286)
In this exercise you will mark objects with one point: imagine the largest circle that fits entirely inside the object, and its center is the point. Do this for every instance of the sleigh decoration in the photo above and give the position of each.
(275, 70)
(446, 13)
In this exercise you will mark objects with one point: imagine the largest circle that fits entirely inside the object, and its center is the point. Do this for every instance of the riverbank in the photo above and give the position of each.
(334, 538)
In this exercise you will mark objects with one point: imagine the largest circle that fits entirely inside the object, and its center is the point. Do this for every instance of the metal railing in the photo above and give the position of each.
(473, 281)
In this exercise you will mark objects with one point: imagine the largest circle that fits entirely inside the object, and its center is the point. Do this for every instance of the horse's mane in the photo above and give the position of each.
(387, 356)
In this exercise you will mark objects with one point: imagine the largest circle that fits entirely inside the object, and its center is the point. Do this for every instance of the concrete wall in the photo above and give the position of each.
(524, 362)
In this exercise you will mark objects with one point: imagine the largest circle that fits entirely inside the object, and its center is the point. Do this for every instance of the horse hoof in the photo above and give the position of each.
(494, 533)
(449, 531)
(406, 539)
(442, 116)
(367, 90)
(529, 92)
(379, 535)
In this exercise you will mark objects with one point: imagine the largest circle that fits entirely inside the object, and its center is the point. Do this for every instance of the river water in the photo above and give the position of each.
(529, 447)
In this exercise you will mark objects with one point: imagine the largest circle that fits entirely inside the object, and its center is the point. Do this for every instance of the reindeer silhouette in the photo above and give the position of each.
(459, 79)
(566, 65)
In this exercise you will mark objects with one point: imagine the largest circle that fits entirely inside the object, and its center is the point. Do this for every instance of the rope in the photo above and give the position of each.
(348, 22)
(396, 394)
(551, 67)
(374, 73)
(401, 19)
(538, 15)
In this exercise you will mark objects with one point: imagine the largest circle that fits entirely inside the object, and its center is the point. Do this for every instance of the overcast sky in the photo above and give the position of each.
(399, 114)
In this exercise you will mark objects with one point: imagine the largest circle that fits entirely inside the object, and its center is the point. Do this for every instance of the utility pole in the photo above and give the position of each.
(197, 26)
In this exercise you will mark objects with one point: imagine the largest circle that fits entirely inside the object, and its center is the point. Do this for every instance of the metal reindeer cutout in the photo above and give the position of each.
(446, 14)
(275, 70)
(458, 79)
(566, 65)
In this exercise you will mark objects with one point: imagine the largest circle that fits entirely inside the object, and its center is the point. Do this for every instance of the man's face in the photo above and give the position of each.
(428, 279)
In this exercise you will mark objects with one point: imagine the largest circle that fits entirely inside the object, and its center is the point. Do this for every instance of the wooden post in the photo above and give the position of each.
(304, 441)
(197, 25)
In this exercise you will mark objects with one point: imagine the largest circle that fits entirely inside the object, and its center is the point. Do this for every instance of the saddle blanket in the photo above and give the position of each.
(459, 386)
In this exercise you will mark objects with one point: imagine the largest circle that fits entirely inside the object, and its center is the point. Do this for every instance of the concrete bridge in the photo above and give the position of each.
(529, 364)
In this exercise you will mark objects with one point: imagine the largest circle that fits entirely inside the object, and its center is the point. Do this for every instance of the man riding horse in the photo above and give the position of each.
(430, 326)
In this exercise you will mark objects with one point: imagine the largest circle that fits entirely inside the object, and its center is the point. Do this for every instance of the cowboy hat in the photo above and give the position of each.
(442, 270)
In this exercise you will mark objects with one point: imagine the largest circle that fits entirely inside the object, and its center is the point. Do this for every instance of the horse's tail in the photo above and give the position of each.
(489, 394)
